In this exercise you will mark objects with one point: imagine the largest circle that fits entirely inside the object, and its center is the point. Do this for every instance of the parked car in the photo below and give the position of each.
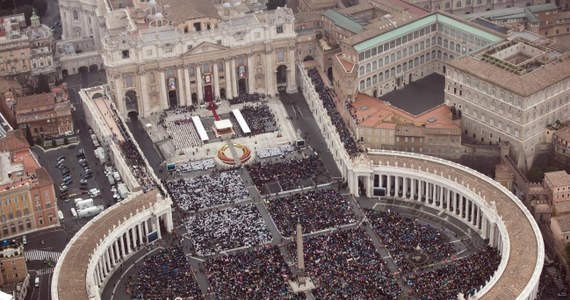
(94, 192)
(81, 153)
(83, 181)
(87, 175)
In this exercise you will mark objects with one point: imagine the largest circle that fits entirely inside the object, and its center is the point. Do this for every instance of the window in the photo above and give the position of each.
(279, 29)
(125, 54)
(75, 15)
(148, 52)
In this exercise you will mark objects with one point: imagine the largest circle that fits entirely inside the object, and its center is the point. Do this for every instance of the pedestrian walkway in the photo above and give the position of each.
(43, 271)
(41, 255)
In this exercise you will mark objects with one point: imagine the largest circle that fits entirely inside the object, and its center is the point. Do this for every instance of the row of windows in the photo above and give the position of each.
(396, 42)
(394, 57)
(18, 215)
(387, 74)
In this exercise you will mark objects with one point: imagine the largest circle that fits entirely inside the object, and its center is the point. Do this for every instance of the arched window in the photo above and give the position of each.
(447, 5)
(362, 85)
(367, 67)
(361, 70)
(374, 65)
(368, 82)
(380, 63)
(387, 74)
(381, 77)
(75, 15)
(374, 79)
(458, 4)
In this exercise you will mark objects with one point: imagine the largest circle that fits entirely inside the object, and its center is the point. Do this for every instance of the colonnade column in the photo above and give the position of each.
(108, 260)
(141, 240)
(168, 222)
(200, 85)
(163, 92)
(405, 191)
(116, 255)
(157, 223)
(492, 235)
(146, 228)
(129, 246)
(144, 97)
(413, 189)
(484, 226)
(461, 206)
(388, 185)
(229, 79)
(250, 72)
(180, 88)
(216, 82)
(187, 86)
(234, 81)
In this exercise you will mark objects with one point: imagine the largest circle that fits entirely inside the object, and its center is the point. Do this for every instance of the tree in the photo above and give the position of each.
(535, 174)
(43, 85)
(29, 137)
(273, 4)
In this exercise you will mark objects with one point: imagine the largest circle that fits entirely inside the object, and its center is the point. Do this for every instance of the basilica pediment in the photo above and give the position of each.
(205, 47)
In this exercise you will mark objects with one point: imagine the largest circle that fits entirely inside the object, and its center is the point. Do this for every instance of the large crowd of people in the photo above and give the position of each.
(218, 188)
(325, 95)
(259, 118)
(134, 157)
(346, 265)
(245, 98)
(289, 173)
(466, 275)
(316, 210)
(217, 230)
(401, 235)
(165, 275)
(257, 273)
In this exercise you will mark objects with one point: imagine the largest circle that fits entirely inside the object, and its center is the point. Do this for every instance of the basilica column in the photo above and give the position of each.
(229, 79)
(187, 87)
(250, 72)
(163, 92)
(180, 88)
(120, 95)
(200, 85)
(291, 84)
(144, 112)
(234, 81)
(216, 82)
(269, 73)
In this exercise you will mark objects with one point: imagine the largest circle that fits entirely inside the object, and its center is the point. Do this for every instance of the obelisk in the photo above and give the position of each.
(303, 282)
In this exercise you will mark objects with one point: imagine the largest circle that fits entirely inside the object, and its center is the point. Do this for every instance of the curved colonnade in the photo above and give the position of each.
(484, 205)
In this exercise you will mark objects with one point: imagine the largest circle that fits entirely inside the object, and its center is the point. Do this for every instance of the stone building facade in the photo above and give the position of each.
(27, 194)
(510, 92)
(13, 269)
(155, 62)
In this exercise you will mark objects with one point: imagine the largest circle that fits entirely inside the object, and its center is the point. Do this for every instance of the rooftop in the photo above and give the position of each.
(418, 96)
(72, 276)
(563, 222)
(525, 79)
(557, 178)
(15, 140)
(179, 11)
(347, 22)
(34, 101)
(374, 113)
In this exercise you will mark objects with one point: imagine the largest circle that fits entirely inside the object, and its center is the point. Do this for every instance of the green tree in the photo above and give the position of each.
(54, 143)
(43, 84)
(535, 174)
(29, 136)
(273, 4)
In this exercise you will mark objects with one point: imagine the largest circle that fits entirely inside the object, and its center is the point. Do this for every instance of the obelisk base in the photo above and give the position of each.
(299, 288)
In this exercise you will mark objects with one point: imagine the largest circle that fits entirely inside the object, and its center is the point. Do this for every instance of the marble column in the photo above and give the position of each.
(269, 73)
(180, 88)
(139, 228)
(229, 79)
(122, 247)
(146, 229)
(389, 185)
(168, 222)
(216, 82)
(200, 85)
(405, 188)
(234, 81)
(187, 87)
(163, 92)
(108, 260)
(116, 256)
(250, 74)
(157, 223)
(291, 84)
(143, 108)
(120, 96)
(129, 247)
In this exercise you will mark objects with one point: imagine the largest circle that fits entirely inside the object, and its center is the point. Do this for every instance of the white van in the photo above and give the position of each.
(73, 213)
(60, 215)
(37, 281)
